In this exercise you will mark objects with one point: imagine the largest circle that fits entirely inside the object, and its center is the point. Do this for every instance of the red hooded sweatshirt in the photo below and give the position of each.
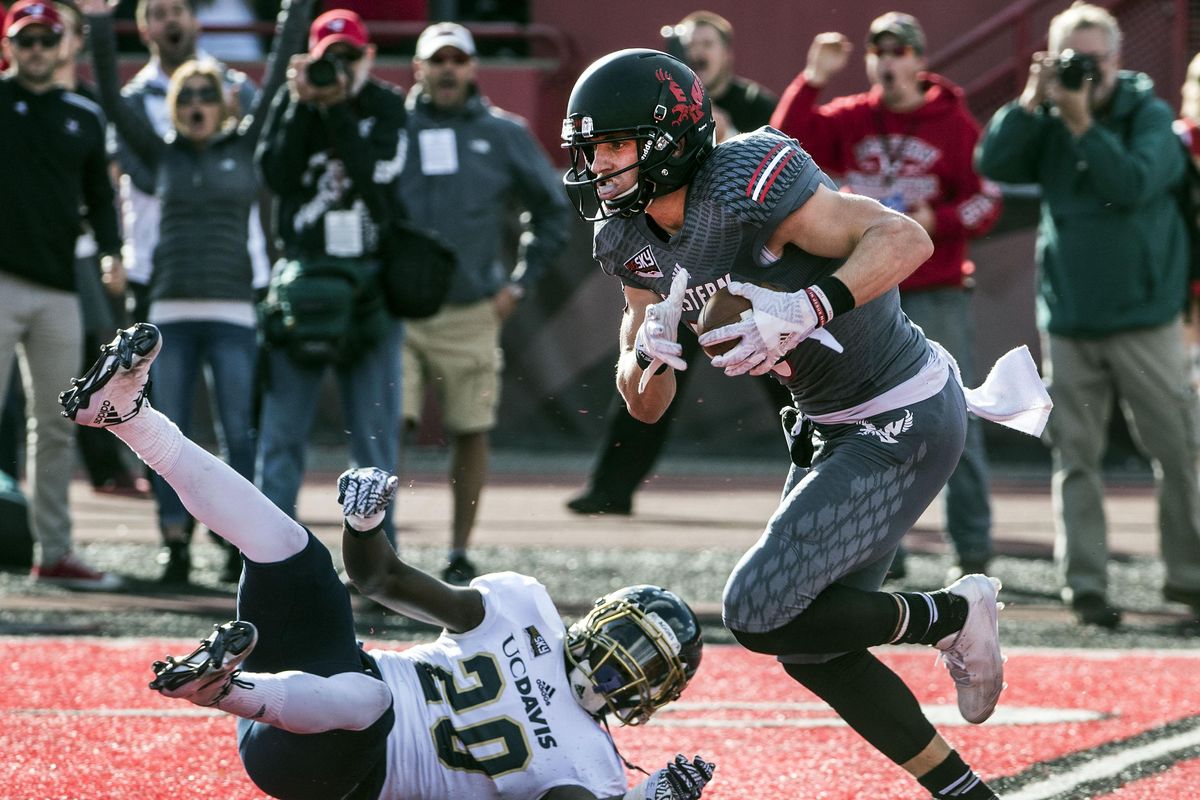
(902, 159)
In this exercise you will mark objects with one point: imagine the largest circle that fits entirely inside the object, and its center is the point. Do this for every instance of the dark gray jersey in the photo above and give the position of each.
(740, 195)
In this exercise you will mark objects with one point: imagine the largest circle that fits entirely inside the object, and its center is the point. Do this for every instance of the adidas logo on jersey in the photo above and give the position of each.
(546, 689)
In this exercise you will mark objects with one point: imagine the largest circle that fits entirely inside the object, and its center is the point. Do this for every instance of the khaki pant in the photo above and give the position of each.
(457, 351)
(1147, 371)
(41, 327)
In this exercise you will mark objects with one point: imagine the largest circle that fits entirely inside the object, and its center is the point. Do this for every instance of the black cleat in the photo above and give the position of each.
(117, 385)
(206, 675)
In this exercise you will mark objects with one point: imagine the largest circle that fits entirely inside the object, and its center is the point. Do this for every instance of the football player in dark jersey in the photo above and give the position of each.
(677, 218)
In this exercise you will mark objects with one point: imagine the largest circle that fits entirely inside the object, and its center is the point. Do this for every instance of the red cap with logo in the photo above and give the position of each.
(334, 26)
(31, 12)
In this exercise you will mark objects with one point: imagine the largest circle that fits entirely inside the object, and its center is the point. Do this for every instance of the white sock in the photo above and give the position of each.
(213, 493)
(300, 702)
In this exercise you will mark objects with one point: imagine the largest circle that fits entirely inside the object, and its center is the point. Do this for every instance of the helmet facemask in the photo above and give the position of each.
(625, 660)
(655, 149)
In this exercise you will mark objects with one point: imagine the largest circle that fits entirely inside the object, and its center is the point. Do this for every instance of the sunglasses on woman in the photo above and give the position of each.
(208, 96)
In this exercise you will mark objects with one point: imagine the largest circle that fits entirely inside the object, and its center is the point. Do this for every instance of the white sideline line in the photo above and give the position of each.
(116, 712)
(1104, 767)
(939, 715)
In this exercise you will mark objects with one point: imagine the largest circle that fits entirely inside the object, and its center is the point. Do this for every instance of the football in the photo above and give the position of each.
(723, 308)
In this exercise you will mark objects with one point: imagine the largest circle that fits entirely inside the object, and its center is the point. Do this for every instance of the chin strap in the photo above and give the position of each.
(629, 765)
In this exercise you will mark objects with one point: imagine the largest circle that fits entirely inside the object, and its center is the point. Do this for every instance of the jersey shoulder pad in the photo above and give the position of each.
(755, 173)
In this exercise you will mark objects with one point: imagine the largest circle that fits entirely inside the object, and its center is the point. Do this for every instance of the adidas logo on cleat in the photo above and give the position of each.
(107, 415)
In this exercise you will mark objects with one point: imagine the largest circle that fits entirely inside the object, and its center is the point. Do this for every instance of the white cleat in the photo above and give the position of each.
(117, 385)
(972, 655)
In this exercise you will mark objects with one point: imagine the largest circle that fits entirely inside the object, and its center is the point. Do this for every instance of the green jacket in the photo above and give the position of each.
(1111, 243)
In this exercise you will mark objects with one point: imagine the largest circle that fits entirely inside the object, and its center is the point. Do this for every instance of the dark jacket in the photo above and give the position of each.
(335, 159)
(1111, 243)
(496, 162)
(56, 164)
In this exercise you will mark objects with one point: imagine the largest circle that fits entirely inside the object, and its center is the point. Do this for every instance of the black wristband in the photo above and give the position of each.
(357, 534)
(839, 297)
(644, 361)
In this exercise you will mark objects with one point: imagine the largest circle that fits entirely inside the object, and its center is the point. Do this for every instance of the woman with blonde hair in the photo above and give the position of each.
(201, 293)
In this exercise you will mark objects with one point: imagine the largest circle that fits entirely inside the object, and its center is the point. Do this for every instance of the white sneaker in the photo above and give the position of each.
(972, 655)
(117, 385)
(207, 674)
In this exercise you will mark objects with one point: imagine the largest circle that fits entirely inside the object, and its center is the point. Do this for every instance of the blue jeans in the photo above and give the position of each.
(945, 316)
(370, 390)
(227, 353)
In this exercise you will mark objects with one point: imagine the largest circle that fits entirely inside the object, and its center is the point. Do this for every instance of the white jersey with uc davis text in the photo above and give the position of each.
(489, 713)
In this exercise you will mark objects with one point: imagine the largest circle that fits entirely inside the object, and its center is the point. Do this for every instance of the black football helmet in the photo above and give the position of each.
(652, 98)
(634, 652)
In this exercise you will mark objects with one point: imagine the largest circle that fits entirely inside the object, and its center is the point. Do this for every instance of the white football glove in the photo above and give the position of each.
(657, 338)
(679, 780)
(781, 320)
(365, 493)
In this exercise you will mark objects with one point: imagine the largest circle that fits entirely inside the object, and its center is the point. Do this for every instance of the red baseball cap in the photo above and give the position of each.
(32, 12)
(334, 26)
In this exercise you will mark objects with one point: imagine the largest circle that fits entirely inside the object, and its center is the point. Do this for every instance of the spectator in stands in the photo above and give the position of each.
(57, 140)
(169, 29)
(202, 290)
(908, 143)
(1112, 252)
(740, 104)
(471, 161)
(630, 448)
(331, 153)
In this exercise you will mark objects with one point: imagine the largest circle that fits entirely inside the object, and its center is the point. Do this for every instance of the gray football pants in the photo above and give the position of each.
(840, 520)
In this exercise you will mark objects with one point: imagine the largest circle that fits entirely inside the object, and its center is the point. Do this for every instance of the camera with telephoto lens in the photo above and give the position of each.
(324, 71)
(1074, 68)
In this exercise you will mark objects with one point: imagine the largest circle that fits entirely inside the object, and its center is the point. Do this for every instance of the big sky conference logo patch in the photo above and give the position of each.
(644, 264)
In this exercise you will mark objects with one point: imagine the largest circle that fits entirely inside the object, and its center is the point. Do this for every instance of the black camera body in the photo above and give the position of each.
(1075, 68)
(325, 71)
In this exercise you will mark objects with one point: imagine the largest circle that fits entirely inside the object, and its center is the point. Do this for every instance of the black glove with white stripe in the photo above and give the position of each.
(679, 780)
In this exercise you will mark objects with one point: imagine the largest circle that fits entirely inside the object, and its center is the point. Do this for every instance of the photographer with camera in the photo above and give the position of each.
(1112, 252)
(331, 152)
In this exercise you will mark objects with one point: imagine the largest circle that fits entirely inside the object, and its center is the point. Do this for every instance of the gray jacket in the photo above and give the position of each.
(467, 198)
